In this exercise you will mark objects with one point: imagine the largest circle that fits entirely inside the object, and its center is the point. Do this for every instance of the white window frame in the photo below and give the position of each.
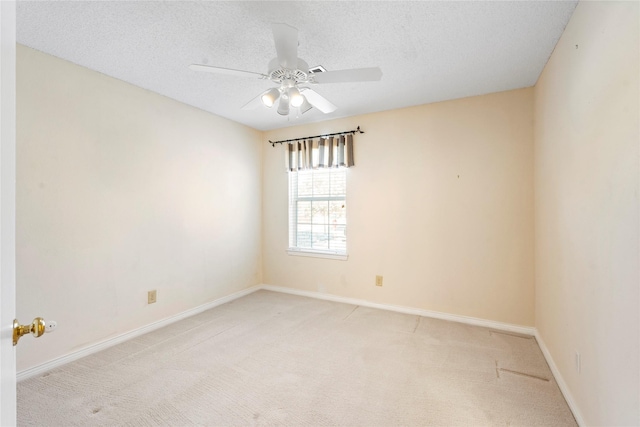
(293, 198)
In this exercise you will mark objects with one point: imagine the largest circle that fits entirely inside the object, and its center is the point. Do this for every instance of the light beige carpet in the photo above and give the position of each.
(277, 359)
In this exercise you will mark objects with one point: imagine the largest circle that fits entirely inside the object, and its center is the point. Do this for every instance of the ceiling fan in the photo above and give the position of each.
(293, 76)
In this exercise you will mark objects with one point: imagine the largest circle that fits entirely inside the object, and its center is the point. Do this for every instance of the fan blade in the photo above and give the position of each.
(228, 71)
(286, 39)
(318, 101)
(344, 76)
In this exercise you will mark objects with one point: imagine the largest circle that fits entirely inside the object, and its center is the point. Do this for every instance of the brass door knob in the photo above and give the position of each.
(36, 328)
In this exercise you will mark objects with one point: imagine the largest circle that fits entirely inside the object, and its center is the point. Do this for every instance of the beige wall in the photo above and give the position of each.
(587, 210)
(440, 203)
(120, 191)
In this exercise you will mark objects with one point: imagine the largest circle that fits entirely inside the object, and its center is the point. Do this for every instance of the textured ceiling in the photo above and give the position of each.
(428, 51)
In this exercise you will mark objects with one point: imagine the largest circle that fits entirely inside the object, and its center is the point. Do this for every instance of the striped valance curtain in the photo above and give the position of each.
(329, 152)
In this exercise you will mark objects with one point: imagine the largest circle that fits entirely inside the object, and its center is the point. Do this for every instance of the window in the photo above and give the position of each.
(318, 212)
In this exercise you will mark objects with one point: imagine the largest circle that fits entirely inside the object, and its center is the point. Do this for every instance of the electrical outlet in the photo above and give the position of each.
(578, 362)
(378, 280)
(151, 297)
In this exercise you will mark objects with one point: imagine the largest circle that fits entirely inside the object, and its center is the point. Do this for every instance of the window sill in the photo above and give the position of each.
(317, 254)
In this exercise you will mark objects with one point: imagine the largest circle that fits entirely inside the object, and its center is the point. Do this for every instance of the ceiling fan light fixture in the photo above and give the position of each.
(292, 75)
(283, 106)
(270, 97)
(295, 97)
(305, 106)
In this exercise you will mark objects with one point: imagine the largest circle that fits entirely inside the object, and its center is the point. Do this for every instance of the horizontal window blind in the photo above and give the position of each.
(318, 211)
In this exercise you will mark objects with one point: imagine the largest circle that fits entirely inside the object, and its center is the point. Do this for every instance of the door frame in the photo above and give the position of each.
(8, 415)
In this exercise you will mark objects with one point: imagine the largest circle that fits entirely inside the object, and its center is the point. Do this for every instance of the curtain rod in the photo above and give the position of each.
(346, 132)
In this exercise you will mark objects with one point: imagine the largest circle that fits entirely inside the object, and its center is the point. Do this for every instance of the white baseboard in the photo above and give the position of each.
(525, 330)
(102, 345)
(560, 381)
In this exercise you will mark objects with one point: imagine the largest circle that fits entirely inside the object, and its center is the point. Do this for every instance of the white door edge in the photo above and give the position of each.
(7, 211)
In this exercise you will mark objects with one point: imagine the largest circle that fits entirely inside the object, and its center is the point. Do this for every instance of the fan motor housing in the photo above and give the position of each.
(278, 74)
